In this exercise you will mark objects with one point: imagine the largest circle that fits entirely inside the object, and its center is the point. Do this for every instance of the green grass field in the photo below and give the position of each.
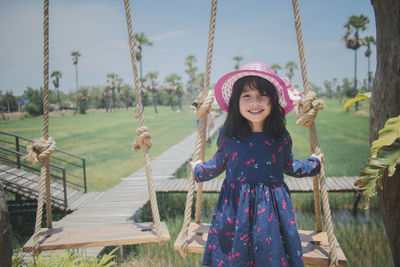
(105, 139)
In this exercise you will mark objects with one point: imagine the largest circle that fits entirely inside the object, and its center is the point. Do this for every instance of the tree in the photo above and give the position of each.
(355, 24)
(290, 67)
(83, 99)
(114, 83)
(152, 87)
(56, 82)
(6, 244)
(172, 87)
(237, 59)
(140, 41)
(199, 81)
(75, 56)
(368, 41)
(191, 71)
(276, 67)
(8, 102)
(385, 104)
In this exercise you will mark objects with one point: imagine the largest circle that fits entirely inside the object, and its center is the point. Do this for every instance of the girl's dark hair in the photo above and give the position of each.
(237, 126)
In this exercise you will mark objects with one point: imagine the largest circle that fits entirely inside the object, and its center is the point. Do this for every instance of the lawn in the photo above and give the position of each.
(105, 139)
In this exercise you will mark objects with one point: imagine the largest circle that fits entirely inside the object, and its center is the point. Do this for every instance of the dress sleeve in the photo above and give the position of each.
(298, 168)
(215, 166)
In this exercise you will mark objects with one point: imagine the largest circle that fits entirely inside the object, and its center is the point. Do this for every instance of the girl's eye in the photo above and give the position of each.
(246, 95)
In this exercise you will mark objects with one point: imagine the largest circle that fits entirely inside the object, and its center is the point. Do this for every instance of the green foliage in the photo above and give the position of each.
(66, 258)
(385, 157)
(8, 102)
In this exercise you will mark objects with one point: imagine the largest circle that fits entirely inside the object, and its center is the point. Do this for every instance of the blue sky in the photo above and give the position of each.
(257, 30)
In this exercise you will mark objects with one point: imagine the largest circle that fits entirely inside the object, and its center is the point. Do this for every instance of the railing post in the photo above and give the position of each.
(84, 174)
(17, 148)
(65, 190)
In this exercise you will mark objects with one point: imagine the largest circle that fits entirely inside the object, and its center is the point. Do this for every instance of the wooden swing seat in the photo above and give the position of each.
(98, 236)
(314, 245)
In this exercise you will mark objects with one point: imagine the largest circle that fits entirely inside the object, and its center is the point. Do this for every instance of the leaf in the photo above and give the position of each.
(358, 97)
(369, 170)
(387, 135)
(368, 184)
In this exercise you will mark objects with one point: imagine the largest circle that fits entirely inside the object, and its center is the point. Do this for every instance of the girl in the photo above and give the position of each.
(253, 223)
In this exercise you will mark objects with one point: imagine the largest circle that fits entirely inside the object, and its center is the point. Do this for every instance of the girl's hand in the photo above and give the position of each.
(321, 157)
(194, 163)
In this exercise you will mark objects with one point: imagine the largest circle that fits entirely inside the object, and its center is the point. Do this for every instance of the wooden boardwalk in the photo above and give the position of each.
(26, 184)
(334, 184)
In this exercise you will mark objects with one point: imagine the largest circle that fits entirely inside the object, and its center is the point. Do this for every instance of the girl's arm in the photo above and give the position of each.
(215, 166)
(298, 168)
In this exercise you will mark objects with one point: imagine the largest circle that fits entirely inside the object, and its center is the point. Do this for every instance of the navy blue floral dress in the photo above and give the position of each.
(253, 223)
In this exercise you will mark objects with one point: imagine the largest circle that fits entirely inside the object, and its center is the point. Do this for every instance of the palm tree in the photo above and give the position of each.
(114, 82)
(56, 82)
(75, 55)
(237, 59)
(355, 24)
(276, 67)
(368, 41)
(191, 70)
(140, 41)
(152, 88)
(290, 66)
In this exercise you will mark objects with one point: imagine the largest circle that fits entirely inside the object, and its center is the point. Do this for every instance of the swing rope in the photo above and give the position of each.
(143, 134)
(204, 105)
(41, 150)
(306, 111)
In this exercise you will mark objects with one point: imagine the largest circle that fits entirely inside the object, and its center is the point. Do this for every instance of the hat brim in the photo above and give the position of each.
(223, 88)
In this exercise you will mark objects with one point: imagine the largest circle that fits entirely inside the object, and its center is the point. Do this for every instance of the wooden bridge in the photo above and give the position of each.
(67, 171)
(26, 184)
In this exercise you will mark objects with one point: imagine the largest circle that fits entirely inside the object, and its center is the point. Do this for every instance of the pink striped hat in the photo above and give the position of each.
(223, 88)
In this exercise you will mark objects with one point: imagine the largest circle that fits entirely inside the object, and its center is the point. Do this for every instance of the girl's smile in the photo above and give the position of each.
(254, 107)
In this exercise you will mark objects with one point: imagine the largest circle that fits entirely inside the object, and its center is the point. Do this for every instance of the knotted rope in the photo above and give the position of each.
(143, 135)
(203, 106)
(42, 149)
(142, 139)
(306, 112)
(307, 109)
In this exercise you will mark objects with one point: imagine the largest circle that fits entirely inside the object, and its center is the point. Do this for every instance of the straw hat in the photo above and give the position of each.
(224, 86)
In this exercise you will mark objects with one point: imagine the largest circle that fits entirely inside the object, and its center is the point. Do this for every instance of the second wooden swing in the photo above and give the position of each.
(319, 248)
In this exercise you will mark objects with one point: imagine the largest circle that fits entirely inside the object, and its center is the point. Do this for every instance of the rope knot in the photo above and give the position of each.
(143, 137)
(41, 149)
(202, 105)
(307, 108)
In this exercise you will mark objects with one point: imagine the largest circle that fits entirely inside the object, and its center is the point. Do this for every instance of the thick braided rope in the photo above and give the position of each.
(200, 138)
(315, 147)
(307, 109)
(44, 182)
(142, 139)
(145, 140)
(41, 151)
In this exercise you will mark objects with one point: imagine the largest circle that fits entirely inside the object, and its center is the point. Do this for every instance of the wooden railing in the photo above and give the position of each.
(65, 166)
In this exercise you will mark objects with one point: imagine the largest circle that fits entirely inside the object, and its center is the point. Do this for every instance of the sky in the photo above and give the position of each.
(254, 29)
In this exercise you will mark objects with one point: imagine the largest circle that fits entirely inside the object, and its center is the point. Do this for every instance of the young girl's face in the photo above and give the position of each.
(254, 107)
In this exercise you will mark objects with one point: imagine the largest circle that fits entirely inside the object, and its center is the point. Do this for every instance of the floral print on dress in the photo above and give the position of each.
(253, 223)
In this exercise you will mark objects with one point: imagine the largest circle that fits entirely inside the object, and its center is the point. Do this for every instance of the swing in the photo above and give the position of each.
(95, 236)
(319, 248)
